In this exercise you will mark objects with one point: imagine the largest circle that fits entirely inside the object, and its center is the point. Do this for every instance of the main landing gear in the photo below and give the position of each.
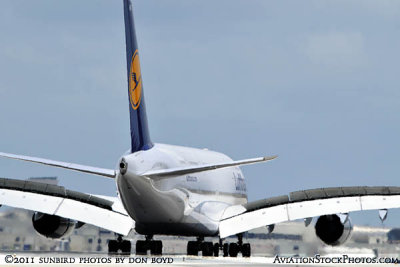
(155, 246)
(119, 246)
(207, 248)
(232, 249)
(210, 249)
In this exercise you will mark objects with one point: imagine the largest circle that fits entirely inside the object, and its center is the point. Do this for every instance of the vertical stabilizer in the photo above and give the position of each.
(140, 138)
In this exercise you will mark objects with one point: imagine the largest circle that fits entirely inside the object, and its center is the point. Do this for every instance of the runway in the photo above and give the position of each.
(80, 259)
(77, 259)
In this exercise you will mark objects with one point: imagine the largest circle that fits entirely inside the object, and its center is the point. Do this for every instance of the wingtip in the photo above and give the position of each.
(270, 157)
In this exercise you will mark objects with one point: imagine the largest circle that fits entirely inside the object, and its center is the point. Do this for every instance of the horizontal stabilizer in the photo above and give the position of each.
(205, 167)
(71, 166)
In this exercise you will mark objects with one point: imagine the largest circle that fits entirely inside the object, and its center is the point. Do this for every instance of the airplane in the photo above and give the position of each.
(181, 191)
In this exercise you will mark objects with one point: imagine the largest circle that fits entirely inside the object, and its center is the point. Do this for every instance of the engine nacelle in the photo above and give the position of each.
(332, 231)
(52, 226)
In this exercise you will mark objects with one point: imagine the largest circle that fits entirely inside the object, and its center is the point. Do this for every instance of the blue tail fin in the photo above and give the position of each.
(140, 138)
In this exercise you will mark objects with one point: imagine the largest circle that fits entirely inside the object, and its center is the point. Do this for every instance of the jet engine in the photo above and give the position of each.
(332, 231)
(52, 226)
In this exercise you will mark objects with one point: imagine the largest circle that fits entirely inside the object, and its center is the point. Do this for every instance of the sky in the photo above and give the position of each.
(315, 82)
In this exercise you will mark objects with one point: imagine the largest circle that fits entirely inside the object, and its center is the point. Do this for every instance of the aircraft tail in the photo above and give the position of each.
(140, 138)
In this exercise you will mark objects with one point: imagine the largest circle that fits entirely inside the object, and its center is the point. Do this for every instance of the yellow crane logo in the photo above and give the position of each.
(135, 82)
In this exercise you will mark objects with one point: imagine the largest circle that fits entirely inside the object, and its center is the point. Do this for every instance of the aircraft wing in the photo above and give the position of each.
(306, 204)
(101, 211)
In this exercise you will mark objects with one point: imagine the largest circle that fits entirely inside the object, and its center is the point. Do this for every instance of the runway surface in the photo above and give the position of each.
(78, 259)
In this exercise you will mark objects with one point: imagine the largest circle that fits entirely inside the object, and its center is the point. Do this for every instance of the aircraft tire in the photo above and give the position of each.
(141, 247)
(207, 249)
(216, 250)
(125, 247)
(156, 247)
(246, 250)
(192, 248)
(226, 250)
(112, 247)
(233, 249)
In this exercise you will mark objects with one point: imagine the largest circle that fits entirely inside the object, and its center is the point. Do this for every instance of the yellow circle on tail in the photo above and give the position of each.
(135, 82)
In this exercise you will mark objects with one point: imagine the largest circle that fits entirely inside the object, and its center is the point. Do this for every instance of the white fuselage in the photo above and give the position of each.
(190, 204)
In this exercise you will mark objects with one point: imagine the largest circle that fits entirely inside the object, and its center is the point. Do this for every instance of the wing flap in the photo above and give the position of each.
(29, 201)
(67, 208)
(380, 202)
(83, 212)
(313, 208)
(310, 203)
(66, 165)
(251, 220)
(205, 167)
(104, 212)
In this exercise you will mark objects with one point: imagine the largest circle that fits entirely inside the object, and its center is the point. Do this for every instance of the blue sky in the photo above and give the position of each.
(316, 82)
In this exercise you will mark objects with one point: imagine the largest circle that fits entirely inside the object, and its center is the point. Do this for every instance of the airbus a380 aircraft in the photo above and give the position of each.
(173, 190)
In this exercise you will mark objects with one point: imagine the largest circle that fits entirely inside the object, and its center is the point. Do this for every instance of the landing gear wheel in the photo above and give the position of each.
(112, 247)
(192, 248)
(156, 247)
(233, 249)
(216, 250)
(125, 247)
(141, 247)
(207, 249)
(119, 246)
(226, 250)
(246, 250)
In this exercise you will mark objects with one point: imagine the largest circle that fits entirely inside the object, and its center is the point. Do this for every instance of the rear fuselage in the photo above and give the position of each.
(176, 205)
(179, 205)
